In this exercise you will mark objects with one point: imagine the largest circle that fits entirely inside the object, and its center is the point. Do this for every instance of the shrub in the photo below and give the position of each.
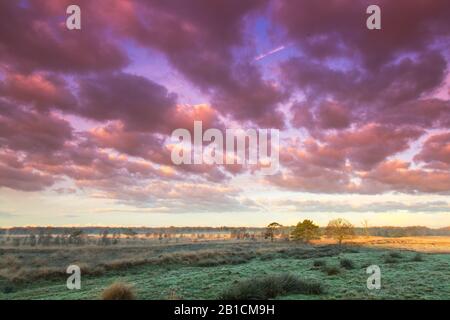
(332, 270)
(8, 289)
(347, 264)
(366, 264)
(417, 257)
(319, 263)
(271, 286)
(390, 259)
(395, 255)
(351, 250)
(10, 262)
(118, 291)
(266, 257)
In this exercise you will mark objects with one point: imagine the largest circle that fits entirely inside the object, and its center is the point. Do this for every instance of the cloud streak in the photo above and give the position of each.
(269, 53)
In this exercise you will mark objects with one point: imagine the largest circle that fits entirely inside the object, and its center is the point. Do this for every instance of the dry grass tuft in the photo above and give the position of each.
(319, 263)
(118, 291)
(332, 270)
(173, 295)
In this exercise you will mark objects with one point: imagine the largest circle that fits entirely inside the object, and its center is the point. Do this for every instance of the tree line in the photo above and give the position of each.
(305, 231)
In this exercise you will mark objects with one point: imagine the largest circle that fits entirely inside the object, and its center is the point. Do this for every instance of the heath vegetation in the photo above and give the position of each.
(276, 262)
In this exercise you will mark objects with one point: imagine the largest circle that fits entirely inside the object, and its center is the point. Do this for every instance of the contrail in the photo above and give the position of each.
(262, 56)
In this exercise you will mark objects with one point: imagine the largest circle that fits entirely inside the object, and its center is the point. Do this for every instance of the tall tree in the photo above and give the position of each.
(271, 229)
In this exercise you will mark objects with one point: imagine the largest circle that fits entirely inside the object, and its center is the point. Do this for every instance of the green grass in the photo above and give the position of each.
(271, 286)
(404, 279)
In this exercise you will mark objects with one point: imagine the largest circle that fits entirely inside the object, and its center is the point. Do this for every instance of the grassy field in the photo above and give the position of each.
(211, 270)
(430, 244)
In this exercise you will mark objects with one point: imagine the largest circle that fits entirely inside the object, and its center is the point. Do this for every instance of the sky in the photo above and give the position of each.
(86, 115)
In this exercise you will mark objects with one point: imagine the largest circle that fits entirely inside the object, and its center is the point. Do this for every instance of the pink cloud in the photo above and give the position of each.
(436, 151)
(42, 91)
(34, 38)
(198, 39)
(30, 131)
(362, 97)
(138, 102)
(397, 175)
(23, 179)
(16, 175)
(371, 144)
(340, 30)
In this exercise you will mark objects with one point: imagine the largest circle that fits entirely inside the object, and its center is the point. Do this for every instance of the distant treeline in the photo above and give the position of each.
(124, 231)
(403, 231)
(372, 231)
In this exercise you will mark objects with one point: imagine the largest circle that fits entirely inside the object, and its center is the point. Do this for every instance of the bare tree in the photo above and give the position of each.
(340, 229)
(365, 225)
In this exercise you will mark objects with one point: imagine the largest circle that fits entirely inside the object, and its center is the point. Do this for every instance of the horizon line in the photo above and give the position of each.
(214, 227)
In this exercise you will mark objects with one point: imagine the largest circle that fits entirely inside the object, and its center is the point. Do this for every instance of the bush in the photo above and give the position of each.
(390, 259)
(332, 270)
(351, 250)
(10, 262)
(347, 264)
(271, 286)
(417, 257)
(395, 255)
(118, 291)
(366, 264)
(319, 263)
(8, 289)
